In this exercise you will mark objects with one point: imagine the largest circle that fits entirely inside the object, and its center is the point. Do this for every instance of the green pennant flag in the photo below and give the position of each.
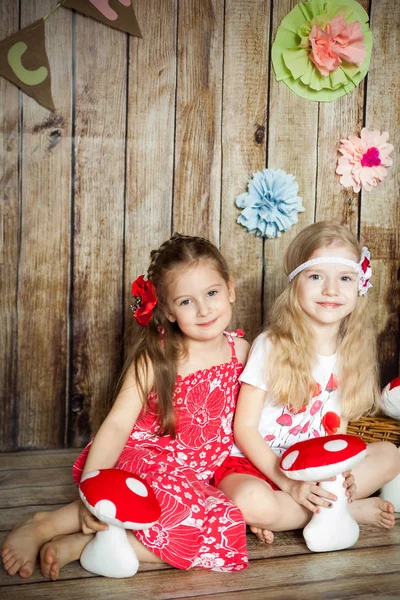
(24, 62)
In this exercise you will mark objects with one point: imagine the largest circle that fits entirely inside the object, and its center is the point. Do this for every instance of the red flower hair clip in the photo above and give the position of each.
(144, 300)
(365, 272)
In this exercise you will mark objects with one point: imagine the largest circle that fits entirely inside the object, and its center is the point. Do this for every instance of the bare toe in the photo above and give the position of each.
(264, 535)
(257, 532)
(373, 511)
(26, 570)
(21, 547)
(60, 551)
(49, 564)
(268, 536)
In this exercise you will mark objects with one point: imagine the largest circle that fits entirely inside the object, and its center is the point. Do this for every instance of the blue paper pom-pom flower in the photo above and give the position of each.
(271, 204)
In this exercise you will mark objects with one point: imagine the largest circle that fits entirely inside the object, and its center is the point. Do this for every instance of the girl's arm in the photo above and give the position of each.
(247, 418)
(111, 438)
(115, 429)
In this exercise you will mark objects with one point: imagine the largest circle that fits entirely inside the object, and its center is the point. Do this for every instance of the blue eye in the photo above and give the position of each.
(346, 278)
(184, 302)
(315, 276)
(212, 293)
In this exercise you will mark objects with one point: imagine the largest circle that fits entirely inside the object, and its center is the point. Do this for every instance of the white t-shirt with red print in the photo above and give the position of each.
(279, 426)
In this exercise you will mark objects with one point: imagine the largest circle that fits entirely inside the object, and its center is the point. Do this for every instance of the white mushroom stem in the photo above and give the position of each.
(332, 528)
(110, 554)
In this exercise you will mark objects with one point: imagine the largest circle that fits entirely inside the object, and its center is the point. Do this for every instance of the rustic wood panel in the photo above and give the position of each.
(43, 277)
(314, 573)
(27, 460)
(9, 236)
(243, 142)
(367, 587)
(150, 136)
(150, 143)
(197, 185)
(39, 495)
(338, 120)
(292, 146)
(100, 121)
(22, 478)
(380, 208)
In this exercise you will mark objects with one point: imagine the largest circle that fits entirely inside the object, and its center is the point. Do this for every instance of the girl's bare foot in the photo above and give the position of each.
(264, 535)
(373, 511)
(60, 551)
(21, 547)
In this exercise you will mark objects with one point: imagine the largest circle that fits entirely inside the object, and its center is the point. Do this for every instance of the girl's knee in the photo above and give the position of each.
(257, 503)
(394, 454)
(389, 458)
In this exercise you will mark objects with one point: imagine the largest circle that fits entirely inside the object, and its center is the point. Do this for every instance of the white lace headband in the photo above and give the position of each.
(362, 268)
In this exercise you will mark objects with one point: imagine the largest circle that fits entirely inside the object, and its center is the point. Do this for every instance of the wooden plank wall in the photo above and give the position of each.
(152, 136)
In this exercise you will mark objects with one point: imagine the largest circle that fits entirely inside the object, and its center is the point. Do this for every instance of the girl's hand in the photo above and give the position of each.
(89, 523)
(310, 495)
(350, 485)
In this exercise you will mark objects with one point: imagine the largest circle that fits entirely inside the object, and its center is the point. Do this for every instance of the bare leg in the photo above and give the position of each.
(22, 545)
(65, 549)
(380, 466)
(263, 508)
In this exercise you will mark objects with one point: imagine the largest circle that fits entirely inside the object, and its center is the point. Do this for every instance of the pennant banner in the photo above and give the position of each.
(24, 62)
(115, 13)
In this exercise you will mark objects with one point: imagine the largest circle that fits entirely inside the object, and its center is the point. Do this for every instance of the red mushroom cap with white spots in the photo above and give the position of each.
(320, 458)
(119, 498)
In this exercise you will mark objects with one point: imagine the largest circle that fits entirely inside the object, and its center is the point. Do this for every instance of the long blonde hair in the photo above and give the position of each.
(162, 351)
(293, 352)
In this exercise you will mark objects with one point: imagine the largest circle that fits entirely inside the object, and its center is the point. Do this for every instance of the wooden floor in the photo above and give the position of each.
(31, 481)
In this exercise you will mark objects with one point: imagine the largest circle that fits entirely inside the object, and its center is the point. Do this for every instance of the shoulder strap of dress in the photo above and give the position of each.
(230, 335)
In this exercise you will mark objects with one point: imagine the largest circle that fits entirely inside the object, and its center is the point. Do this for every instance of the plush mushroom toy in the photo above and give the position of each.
(391, 407)
(391, 399)
(123, 501)
(319, 459)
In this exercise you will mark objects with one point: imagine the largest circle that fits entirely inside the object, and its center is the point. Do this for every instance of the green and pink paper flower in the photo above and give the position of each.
(323, 48)
(364, 159)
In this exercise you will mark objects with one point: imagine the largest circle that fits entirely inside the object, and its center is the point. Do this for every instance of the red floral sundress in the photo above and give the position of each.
(199, 526)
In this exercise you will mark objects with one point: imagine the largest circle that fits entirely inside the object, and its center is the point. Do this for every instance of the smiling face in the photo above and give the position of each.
(199, 301)
(328, 293)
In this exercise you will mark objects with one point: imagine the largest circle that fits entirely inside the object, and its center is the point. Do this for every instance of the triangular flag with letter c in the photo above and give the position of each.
(24, 62)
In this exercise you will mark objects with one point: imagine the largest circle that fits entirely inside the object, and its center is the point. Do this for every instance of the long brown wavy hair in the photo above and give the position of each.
(145, 347)
(293, 351)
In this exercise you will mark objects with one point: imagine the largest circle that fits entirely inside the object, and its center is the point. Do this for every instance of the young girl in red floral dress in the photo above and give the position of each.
(171, 423)
(312, 370)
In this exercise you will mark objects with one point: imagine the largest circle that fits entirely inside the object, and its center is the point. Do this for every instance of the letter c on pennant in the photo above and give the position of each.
(27, 77)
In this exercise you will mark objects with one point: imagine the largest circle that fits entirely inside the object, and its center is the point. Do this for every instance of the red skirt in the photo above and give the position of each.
(239, 464)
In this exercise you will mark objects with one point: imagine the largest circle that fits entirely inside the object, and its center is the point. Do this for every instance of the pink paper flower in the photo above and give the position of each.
(364, 160)
(338, 41)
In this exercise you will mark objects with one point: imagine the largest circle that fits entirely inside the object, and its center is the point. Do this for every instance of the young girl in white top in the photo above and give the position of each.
(312, 370)
(171, 422)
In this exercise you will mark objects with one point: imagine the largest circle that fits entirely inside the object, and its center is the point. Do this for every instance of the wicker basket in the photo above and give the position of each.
(376, 429)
